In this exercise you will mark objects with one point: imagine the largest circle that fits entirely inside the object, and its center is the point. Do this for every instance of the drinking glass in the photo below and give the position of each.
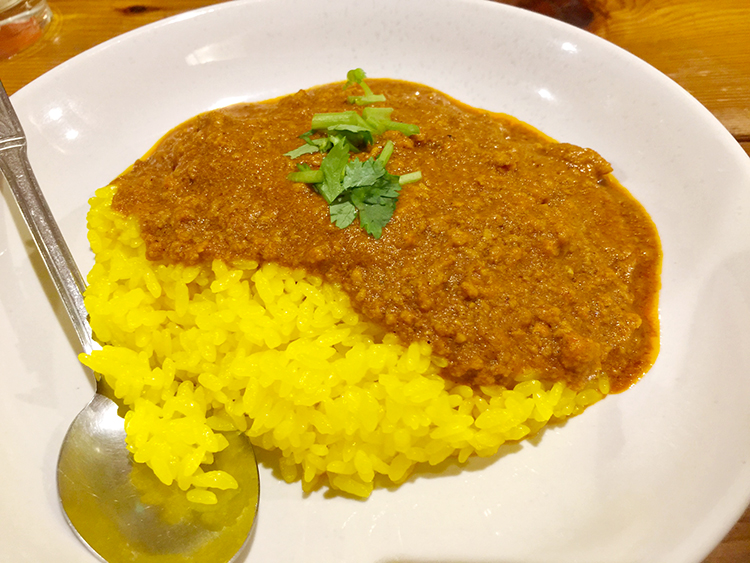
(22, 23)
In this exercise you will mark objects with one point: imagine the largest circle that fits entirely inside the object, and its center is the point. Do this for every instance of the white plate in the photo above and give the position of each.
(658, 473)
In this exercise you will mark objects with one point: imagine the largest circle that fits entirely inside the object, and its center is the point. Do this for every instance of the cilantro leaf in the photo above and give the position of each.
(384, 188)
(373, 217)
(388, 186)
(333, 165)
(376, 201)
(359, 173)
(343, 213)
(304, 149)
(311, 145)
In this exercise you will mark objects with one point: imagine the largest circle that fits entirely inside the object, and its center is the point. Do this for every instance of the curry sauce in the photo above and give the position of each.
(514, 254)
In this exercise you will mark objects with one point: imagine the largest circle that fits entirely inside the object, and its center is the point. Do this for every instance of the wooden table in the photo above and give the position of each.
(704, 45)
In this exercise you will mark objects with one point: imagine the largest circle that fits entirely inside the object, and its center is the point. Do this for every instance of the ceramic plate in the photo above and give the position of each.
(658, 473)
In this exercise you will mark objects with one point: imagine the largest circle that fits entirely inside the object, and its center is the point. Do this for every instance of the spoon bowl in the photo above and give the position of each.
(118, 508)
(124, 513)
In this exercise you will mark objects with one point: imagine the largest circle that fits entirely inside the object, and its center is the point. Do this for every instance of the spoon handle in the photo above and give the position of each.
(15, 166)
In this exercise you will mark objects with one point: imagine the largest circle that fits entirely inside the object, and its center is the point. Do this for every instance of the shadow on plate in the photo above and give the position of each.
(12, 294)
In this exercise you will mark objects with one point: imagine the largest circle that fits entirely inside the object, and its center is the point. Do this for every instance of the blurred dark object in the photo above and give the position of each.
(574, 12)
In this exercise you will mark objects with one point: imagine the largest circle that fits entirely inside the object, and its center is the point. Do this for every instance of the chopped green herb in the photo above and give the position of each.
(379, 119)
(306, 175)
(410, 178)
(372, 192)
(355, 135)
(343, 213)
(386, 153)
(304, 149)
(333, 166)
(357, 76)
(326, 120)
(372, 218)
(354, 187)
(311, 145)
(360, 173)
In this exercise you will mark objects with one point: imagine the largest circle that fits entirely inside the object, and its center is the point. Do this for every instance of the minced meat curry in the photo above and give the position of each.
(513, 254)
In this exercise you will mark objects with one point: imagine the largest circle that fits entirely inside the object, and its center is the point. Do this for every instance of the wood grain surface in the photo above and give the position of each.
(704, 45)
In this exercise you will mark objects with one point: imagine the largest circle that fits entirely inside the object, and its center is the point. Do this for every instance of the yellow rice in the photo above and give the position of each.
(282, 357)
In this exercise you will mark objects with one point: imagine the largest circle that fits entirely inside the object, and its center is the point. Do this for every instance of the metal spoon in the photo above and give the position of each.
(119, 509)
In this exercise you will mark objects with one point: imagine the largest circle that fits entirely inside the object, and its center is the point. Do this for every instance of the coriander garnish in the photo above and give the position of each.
(353, 187)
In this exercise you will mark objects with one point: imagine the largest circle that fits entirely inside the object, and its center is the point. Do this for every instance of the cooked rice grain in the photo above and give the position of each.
(281, 356)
